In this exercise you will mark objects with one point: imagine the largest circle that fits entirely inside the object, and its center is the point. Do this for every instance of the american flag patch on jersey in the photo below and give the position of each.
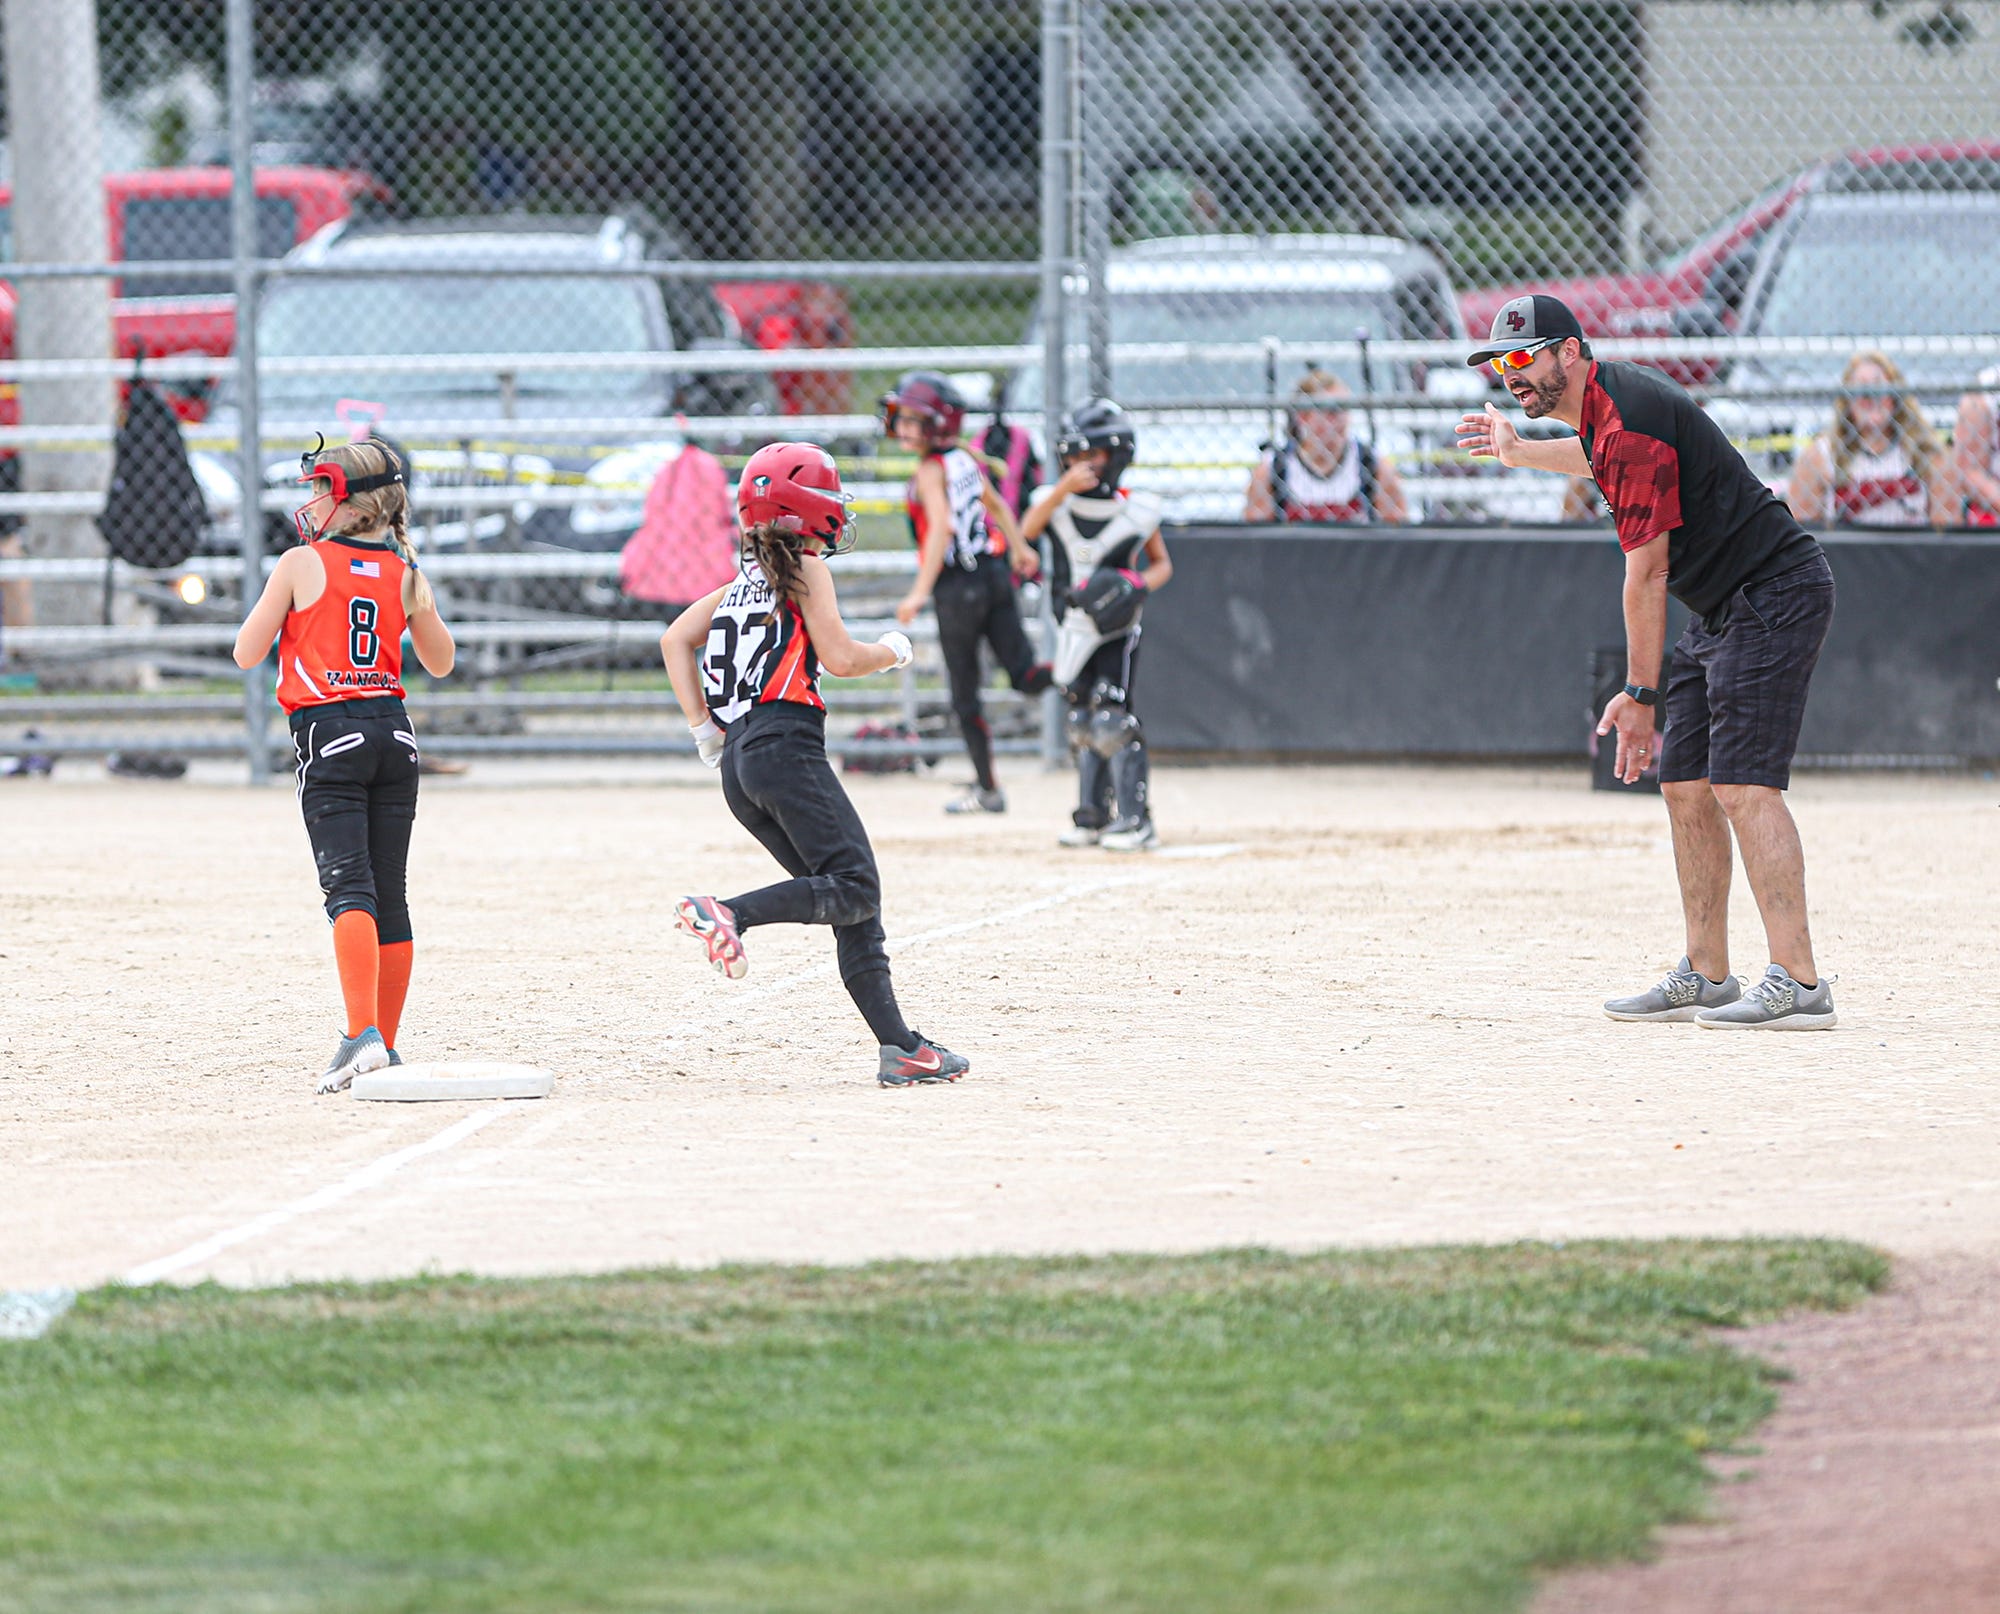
(365, 568)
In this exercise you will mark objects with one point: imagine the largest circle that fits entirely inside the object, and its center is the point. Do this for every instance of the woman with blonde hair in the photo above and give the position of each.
(1880, 465)
(338, 606)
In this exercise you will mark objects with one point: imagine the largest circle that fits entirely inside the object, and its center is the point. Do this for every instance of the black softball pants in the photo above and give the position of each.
(357, 785)
(778, 783)
(978, 606)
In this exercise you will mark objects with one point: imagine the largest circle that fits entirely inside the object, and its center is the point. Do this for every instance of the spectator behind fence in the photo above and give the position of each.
(685, 546)
(1880, 465)
(1976, 450)
(1321, 471)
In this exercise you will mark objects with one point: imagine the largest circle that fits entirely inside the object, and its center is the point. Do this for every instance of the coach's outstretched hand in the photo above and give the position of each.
(1488, 435)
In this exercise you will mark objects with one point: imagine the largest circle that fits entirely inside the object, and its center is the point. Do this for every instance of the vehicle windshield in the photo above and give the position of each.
(454, 316)
(163, 229)
(1928, 267)
(1228, 316)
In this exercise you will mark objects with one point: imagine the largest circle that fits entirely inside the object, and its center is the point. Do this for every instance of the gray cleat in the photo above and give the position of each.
(1776, 1003)
(355, 1056)
(1683, 994)
(975, 800)
(915, 1066)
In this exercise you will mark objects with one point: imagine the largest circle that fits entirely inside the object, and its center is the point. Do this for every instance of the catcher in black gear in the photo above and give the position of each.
(1109, 557)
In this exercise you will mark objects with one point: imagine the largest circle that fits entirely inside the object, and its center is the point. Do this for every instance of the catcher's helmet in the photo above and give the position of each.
(1100, 423)
(929, 397)
(795, 487)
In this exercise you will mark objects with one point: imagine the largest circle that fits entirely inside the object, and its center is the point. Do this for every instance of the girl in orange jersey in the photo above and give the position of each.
(338, 606)
(745, 664)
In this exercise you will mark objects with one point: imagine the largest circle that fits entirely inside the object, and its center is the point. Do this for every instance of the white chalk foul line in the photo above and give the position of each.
(27, 1313)
(367, 1177)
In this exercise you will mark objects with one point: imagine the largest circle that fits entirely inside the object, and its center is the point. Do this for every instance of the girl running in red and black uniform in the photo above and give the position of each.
(745, 663)
(338, 606)
(967, 541)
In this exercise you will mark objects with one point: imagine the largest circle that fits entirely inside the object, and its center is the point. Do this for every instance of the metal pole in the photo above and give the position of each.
(1056, 36)
(250, 446)
(1092, 89)
(51, 68)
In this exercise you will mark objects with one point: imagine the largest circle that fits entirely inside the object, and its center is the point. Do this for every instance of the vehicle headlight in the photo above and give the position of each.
(618, 485)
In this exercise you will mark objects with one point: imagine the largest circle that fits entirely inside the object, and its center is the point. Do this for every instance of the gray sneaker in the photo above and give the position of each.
(1685, 993)
(975, 800)
(1776, 1003)
(355, 1056)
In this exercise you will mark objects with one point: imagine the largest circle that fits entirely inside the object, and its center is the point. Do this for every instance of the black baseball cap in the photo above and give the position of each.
(1526, 321)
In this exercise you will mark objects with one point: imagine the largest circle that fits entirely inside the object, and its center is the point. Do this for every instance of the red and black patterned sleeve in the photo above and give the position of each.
(1640, 478)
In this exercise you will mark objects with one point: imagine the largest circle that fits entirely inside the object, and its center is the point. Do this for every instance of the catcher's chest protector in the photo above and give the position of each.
(1098, 532)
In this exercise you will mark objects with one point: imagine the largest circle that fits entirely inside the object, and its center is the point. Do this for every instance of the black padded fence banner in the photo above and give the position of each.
(1465, 642)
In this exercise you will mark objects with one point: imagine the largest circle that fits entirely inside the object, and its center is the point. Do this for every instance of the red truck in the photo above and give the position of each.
(159, 214)
(1700, 289)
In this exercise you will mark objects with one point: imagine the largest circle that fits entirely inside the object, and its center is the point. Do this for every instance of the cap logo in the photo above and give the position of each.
(1516, 320)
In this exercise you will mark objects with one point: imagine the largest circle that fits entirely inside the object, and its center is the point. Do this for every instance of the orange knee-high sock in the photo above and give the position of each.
(357, 957)
(395, 987)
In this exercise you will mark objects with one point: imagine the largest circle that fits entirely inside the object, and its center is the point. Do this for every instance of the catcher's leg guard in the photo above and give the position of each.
(1093, 790)
(1130, 774)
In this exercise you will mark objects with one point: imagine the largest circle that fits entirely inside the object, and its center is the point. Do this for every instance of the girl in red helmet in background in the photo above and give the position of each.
(338, 606)
(745, 664)
(967, 540)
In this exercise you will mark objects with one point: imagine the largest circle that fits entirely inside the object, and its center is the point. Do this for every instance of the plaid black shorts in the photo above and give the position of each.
(1737, 696)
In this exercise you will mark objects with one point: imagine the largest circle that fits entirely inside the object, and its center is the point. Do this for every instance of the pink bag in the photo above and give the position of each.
(685, 546)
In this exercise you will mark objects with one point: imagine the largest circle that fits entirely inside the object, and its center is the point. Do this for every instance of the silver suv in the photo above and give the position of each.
(1204, 420)
(480, 288)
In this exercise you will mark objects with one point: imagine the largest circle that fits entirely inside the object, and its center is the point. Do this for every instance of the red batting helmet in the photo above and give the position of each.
(795, 487)
(927, 396)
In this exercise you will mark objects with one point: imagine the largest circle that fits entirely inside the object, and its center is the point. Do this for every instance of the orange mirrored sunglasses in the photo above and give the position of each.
(1520, 358)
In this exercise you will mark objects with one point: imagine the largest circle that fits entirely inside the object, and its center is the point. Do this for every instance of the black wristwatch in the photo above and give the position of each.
(1643, 695)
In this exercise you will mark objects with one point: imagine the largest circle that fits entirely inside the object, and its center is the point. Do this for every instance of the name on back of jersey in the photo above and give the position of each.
(341, 678)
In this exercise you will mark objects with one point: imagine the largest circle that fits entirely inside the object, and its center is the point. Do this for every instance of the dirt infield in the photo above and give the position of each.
(1374, 1021)
(1353, 1005)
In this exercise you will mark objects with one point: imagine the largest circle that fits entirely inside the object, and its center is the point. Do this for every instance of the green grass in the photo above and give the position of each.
(1386, 1433)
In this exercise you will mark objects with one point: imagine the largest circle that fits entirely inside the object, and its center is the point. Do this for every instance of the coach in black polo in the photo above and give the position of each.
(1694, 522)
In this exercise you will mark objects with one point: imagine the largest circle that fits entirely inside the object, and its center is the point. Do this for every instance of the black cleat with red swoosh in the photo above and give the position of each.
(927, 1062)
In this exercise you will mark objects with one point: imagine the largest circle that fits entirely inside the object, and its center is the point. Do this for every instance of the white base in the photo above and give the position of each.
(469, 1079)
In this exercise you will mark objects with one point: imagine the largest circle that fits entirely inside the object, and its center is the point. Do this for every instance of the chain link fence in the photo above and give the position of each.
(579, 257)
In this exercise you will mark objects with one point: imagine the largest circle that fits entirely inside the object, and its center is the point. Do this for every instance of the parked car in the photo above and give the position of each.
(161, 214)
(1203, 420)
(1850, 266)
(1700, 289)
(779, 314)
(457, 289)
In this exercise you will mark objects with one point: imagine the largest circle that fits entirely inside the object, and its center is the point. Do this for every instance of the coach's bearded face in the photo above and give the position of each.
(1538, 397)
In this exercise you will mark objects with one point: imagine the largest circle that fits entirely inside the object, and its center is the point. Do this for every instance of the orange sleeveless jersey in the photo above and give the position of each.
(348, 644)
